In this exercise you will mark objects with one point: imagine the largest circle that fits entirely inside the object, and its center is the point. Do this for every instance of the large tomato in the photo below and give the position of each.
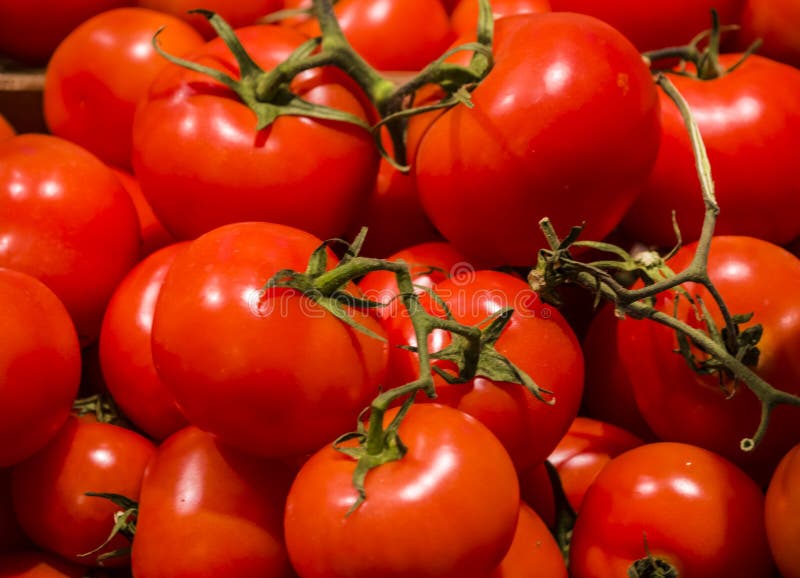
(684, 505)
(272, 373)
(751, 133)
(448, 508)
(782, 514)
(66, 219)
(678, 404)
(101, 70)
(209, 510)
(40, 365)
(528, 148)
(202, 163)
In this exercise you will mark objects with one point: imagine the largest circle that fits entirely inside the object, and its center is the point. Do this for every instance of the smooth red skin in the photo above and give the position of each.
(33, 564)
(40, 366)
(487, 174)
(464, 17)
(657, 24)
(534, 552)
(584, 451)
(537, 339)
(679, 405)
(207, 510)
(126, 355)
(6, 130)
(782, 514)
(100, 72)
(448, 508)
(276, 377)
(237, 14)
(772, 21)
(49, 488)
(31, 30)
(153, 234)
(66, 220)
(698, 512)
(751, 133)
(247, 177)
(393, 35)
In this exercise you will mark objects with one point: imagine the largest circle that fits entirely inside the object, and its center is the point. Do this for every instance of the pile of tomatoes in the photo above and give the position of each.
(206, 368)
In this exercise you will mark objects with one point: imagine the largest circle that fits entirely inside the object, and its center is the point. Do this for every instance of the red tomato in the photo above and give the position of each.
(273, 374)
(154, 235)
(657, 24)
(208, 510)
(237, 14)
(101, 70)
(534, 552)
(775, 23)
(201, 162)
(49, 489)
(448, 508)
(66, 219)
(584, 451)
(126, 354)
(687, 506)
(40, 366)
(528, 148)
(6, 130)
(782, 514)
(464, 18)
(31, 564)
(31, 30)
(751, 132)
(681, 405)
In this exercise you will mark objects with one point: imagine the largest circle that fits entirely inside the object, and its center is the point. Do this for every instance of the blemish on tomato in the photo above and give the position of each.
(623, 81)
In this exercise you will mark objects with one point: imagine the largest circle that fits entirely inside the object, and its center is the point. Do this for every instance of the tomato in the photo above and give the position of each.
(684, 505)
(273, 373)
(774, 22)
(125, 351)
(584, 451)
(101, 70)
(488, 174)
(40, 365)
(154, 235)
(209, 510)
(201, 162)
(536, 491)
(32, 564)
(6, 130)
(782, 514)
(534, 552)
(65, 219)
(750, 132)
(49, 489)
(465, 14)
(658, 24)
(31, 30)
(449, 507)
(681, 405)
(237, 14)
(393, 35)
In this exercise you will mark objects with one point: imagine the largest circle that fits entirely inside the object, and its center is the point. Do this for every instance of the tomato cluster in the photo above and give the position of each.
(207, 368)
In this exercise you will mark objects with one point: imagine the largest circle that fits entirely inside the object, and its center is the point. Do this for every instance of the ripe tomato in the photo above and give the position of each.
(152, 232)
(209, 510)
(487, 174)
(534, 552)
(272, 373)
(237, 14)
(201, 162)
(65, 219)
(49, 489)
(687, 506)
(682, 405)
(33, 564)
(750, 132)
(101, 70)
(40, 365)
(464, 18)
(415, 520)
(782, 514)
(774, 22)
(125, 351)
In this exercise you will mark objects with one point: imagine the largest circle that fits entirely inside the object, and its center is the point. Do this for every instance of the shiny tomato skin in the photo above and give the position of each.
(488, 174)
(126, 356)
(534, 552)
(66, 220)
(244, 175)
(237, 14)
(465, 14)
(782, 514)
(750, 132)
(35, 564)
(40, 365)
(273, 375)
(695, 509)
(414, 521)
(207, 510)
(49, 489)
